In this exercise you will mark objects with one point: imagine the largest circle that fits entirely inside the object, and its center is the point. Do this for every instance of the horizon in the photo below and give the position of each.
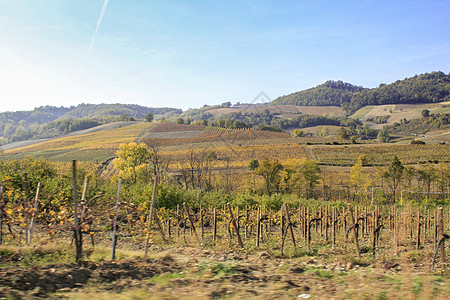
(185, 55)
(255, 101)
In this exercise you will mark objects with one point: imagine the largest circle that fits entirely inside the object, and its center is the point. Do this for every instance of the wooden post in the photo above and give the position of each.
(418, 231)
(116, 210)
(186, 210)
(435, 230)
(169, 232)
(1, 212)
(247, 219)
(178, 220)
(77, 229)
(374, 230)
(441, 233)
(26, 207)
(326, 223)
(353, 226)
(237, 218)
(214, 225)
(33, 215)
(334, 225)
(152, 211)
(236, 228)
(258, 229)
(308, 229)
(201, 222)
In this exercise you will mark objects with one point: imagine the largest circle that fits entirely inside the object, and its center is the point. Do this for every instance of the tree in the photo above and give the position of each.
(425, 113)
(342, 133)
(310, 172)
(253, 164)
(394, 175)
(298, 132)
(427, 174)
(270, 171)
(383, 136)
(180, 121)
(292, 178)
(325, 131)
(359, 179)
(132, 158)
(149, 117)
(362, 160)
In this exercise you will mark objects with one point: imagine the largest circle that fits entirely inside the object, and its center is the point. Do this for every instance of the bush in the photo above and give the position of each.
(417, 142)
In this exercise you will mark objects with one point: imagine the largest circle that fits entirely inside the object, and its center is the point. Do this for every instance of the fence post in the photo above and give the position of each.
(236, 228)
(150, 217)
(258, 229)
(116, 210)
(418, 230)
(26, 207)
(33, 215)
(77, 231)
(214, 225)
(1, 213)
(441, 233)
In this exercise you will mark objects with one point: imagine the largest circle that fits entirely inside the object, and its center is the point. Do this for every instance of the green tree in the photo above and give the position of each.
(383, 136)
(342, 133)
(394, 175)
(253, 164)
(180, 121)
(298, 132)
(132, 159)
(310, 172)
(427, 174)
(425, 113)
(149, 117)
(270, 170)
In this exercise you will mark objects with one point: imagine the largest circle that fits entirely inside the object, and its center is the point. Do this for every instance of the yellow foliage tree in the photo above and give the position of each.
(132, 159)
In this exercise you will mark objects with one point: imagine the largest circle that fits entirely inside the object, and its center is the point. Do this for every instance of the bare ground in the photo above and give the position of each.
(196, 273)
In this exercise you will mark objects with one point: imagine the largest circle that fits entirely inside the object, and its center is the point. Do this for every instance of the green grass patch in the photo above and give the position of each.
(166, 278)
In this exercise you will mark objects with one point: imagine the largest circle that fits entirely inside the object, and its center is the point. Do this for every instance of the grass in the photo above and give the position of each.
(34, 255)
(361, 112)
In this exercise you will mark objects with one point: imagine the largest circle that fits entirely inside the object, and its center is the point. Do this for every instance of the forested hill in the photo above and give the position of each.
(426, 88)
(50, 121)
(102, 111)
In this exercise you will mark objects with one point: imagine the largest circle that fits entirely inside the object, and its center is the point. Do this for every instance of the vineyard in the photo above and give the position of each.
(66, 213)
(382, 154)
(95, 146)
(334, 111)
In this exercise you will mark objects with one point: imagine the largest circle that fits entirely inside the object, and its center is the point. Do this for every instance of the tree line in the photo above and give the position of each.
(425, 88)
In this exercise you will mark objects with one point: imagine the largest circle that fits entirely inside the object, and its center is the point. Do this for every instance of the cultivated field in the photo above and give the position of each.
(398, 112)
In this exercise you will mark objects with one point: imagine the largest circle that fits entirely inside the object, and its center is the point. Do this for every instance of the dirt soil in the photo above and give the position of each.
(194, 273)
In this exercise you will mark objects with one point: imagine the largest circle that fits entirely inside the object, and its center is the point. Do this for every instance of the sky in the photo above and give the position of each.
(185, 54)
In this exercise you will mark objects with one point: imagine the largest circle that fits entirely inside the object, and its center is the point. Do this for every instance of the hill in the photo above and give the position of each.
(425, 88)
(377, 116)
(51, 121)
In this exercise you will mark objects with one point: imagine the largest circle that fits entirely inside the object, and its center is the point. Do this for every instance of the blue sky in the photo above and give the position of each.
(188, 53)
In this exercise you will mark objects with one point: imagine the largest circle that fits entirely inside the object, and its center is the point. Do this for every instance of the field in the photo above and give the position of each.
(398, 112)
(236, 146)
(201, 248)
(309, 252)
(378, 155)
(331, 111)
(93, 146)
